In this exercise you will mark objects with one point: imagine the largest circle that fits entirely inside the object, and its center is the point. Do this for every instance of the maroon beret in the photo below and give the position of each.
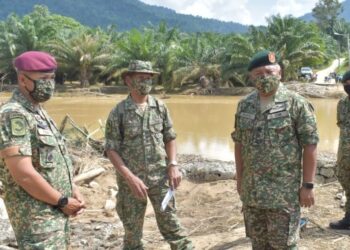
(35, 61)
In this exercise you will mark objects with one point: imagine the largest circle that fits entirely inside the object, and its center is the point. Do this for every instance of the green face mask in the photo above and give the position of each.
(143, 87)
(43, 89)
(266, 84)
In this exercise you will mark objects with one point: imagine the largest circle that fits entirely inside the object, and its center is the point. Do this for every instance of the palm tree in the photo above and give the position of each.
(296, 42)
(197, 56)
(82, 54)
(235, 59)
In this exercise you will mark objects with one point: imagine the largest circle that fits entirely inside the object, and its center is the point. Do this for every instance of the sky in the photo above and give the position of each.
(242, 11)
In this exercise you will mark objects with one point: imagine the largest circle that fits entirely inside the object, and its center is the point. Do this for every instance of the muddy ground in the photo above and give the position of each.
(210, 211)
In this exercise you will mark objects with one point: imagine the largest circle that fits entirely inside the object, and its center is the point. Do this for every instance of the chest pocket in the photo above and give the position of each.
(280, 128)
(47, 147)
(156, 127)
(132, 126)
(245, 124)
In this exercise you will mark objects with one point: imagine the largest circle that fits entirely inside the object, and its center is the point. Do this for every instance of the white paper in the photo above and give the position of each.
(167, 198)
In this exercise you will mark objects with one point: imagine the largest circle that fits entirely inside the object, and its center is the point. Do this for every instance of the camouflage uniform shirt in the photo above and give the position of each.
(272, 144)
(140, 138)
(30, 128)
(343, 157)
(343, 122)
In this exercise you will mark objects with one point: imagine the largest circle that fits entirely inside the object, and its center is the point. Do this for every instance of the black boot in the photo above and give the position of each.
(343, 224)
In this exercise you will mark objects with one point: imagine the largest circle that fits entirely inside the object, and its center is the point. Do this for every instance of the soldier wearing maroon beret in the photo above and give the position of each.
(34, 163)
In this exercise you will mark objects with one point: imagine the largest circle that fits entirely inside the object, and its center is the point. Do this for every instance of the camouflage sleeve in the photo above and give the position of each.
(168, 130)
(306, 126)
(113, 137)
(339, 108)
(15, 131)
(236, 135)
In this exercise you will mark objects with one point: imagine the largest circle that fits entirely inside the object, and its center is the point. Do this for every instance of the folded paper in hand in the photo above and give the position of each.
(167, 198)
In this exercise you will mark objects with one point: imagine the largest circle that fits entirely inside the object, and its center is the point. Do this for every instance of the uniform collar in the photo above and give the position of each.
(130, 104)
(17, 96)
(281, 94)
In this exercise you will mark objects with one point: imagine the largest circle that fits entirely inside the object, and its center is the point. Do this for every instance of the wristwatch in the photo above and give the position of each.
(308, 185)
(62, 202)
(172, 163)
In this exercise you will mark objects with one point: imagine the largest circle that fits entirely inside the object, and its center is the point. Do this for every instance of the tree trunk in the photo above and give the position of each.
(84, 79)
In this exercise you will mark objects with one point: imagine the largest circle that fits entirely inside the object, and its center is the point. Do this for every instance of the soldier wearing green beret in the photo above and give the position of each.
(140, 143)
(35, 166)
(275, 150)
(343, 157)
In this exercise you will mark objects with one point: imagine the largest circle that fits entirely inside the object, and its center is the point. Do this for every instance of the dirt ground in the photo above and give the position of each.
(211, 213)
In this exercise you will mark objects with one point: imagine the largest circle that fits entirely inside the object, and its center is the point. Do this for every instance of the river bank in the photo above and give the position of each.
(305, 89)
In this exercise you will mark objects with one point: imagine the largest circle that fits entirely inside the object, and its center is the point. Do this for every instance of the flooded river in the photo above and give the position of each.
(203, 123)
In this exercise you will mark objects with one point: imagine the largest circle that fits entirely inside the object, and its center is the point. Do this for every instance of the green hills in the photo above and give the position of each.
(124, 14)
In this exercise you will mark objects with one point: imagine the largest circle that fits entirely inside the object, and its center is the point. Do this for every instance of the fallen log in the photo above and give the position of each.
(88, 175)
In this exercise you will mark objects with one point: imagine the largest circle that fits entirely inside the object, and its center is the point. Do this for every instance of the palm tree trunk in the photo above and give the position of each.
(84, 79)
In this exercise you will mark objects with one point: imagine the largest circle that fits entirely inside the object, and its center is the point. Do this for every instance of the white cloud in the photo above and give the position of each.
(219, 9)
(242, 11)
(293, 7)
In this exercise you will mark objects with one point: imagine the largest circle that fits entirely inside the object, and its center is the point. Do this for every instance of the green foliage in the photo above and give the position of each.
(85, 53)
(95, 54)
(326, 13)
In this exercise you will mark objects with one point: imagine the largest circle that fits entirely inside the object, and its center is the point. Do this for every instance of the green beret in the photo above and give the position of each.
(262, 58)
(346, 76)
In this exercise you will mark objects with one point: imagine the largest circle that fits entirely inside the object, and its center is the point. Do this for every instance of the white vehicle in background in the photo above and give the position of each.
(307, 74)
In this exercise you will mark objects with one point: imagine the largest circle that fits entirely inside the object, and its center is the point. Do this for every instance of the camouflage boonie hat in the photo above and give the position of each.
(137, 66)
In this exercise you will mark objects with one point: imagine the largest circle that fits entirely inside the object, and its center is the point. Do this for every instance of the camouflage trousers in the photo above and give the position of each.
(41, 238)
(272, 228)
(132, 212)
(343, 175)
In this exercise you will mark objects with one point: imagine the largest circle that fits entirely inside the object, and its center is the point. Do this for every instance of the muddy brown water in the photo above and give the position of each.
(203, 123)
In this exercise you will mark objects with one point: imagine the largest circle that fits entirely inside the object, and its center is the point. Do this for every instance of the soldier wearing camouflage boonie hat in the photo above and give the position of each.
(138, 66)
(140, 142)
(275, 130)
(35, 166)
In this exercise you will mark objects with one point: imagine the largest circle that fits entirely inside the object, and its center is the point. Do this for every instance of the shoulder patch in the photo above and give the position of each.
(18, 127)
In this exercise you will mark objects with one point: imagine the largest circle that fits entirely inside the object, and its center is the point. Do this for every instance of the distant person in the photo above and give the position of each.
(35, 167)
(140, 143)
(343, 161)
(275, 148)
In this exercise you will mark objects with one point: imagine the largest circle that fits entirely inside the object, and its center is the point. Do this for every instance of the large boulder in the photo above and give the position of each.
(197, 168)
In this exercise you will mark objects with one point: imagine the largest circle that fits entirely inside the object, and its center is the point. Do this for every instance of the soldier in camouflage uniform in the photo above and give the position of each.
(140, 142)
(275, 130)
(35, 167)
(343, 161)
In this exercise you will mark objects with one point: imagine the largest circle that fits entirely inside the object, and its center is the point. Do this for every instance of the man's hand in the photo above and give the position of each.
(175, 177)
(306, 197)
(77, 195)
(138, 188)
(72, 207)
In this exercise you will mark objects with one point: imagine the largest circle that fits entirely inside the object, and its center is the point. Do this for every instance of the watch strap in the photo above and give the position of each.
(308, 185)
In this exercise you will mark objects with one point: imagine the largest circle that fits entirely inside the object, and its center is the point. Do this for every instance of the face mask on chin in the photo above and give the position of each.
(43, 89)
(143, 87)
(266, 84)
